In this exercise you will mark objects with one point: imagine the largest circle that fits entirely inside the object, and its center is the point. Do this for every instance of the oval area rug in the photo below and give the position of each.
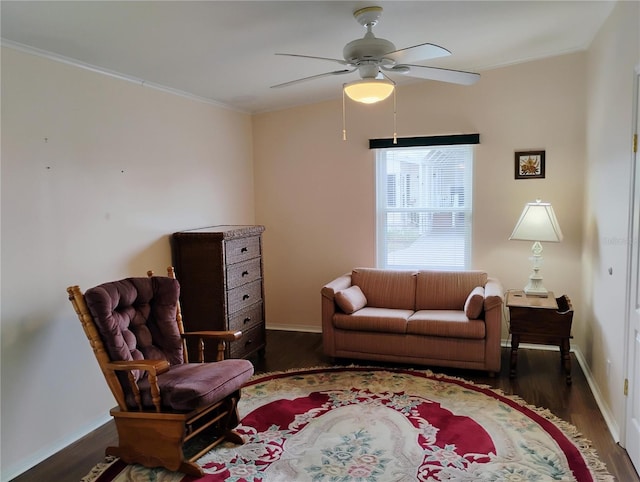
(366, 424)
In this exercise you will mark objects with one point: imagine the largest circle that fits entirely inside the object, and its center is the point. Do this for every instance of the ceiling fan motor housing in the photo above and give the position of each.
(368, 53)
(367, 48)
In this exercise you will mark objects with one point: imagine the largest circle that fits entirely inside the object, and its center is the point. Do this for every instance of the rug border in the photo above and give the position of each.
(102, 468)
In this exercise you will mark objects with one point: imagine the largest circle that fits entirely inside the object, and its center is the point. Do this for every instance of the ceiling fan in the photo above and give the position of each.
(375, 57)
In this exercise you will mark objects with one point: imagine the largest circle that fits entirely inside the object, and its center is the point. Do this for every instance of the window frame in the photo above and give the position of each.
(383, 208)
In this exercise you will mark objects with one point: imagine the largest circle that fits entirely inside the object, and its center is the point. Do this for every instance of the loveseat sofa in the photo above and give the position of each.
(441, 318)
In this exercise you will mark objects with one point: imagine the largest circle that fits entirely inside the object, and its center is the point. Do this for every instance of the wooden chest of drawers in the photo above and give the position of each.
(221, 278)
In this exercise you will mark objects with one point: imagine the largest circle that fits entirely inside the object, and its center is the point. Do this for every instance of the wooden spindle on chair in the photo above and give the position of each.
(155, 391)
(171, 273)
(201, 350)
(134, 389)
(221, 348)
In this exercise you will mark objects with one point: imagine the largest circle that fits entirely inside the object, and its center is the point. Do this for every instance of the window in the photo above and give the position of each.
(424, 207)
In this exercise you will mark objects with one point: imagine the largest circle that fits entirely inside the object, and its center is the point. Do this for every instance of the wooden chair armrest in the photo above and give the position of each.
(153, 369)
(157, 367)
(214, 335)
(220, 336)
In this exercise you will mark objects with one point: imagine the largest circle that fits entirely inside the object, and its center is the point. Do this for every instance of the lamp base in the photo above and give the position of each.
(535, 288)
(543, 293)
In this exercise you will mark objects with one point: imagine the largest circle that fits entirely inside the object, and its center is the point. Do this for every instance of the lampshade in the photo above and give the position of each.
(369, 91)
(537, 223)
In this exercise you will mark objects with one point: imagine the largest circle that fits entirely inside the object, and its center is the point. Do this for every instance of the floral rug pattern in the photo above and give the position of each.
(380, 425)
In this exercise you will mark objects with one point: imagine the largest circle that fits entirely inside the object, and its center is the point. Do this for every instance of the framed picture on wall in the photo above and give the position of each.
(529, 165)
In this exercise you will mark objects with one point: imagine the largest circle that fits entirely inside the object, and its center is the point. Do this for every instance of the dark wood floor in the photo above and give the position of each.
(540, 382)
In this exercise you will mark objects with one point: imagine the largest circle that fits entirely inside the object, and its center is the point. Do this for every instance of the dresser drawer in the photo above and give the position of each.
(251, 340)
(244, 296)
(242, 249)
(246, 319)
(242, 273)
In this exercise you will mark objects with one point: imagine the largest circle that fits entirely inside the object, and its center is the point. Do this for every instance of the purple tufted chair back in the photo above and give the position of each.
(136, 318)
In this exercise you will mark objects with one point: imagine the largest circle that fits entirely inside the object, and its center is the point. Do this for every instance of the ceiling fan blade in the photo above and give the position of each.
(417, 53)
(304, 79)
(435, 73)
(340, 61)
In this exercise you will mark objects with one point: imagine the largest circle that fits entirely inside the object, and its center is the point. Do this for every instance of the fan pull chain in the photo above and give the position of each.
(344, 118)
(395, 133)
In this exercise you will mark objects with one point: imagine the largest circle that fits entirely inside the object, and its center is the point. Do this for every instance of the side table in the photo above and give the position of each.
(539, 320)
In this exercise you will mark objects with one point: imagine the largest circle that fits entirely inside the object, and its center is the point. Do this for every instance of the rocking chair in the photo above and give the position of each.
(170, 412)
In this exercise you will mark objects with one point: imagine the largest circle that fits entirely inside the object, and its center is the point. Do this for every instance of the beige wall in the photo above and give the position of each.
(611, 61)
(315, 193)
(121, 168)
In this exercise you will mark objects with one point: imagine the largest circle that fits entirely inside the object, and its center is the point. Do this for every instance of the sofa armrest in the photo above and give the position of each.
(493, 301)
(330, 289)
(493, 294)
(328, 310)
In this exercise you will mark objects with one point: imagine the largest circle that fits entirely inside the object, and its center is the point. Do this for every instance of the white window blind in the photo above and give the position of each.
(424, 207)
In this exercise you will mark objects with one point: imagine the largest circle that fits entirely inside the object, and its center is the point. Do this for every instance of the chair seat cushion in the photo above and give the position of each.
(188, 386)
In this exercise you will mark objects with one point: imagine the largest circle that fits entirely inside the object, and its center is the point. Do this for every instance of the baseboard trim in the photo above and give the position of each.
(301, 328)
(609, 419)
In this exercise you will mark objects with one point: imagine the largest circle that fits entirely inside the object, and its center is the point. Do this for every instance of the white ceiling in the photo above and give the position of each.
(223, 51)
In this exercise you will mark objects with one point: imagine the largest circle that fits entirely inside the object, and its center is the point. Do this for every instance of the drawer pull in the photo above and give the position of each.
(244, 250)
(246, 320)
(245, 273)
(248, 342)
(245, 297)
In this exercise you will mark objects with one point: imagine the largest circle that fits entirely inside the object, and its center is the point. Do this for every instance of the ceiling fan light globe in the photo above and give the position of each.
(369, 91)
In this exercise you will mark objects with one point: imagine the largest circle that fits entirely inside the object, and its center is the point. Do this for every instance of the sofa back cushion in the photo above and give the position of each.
(446, 290)
(386, 288)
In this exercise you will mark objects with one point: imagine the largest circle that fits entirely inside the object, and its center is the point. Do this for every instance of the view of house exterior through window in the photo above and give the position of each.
(424, 207)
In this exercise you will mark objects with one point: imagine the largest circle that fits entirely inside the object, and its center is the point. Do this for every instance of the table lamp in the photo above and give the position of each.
(537, 223)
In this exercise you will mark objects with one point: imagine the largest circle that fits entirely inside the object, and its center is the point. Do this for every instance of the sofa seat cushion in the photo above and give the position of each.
(386, 288)
(445, 323)
(384, 320)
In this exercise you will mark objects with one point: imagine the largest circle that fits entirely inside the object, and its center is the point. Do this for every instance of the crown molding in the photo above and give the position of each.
(111, 73)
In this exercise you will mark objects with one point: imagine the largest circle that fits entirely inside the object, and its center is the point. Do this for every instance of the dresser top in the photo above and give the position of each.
(223, 231)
